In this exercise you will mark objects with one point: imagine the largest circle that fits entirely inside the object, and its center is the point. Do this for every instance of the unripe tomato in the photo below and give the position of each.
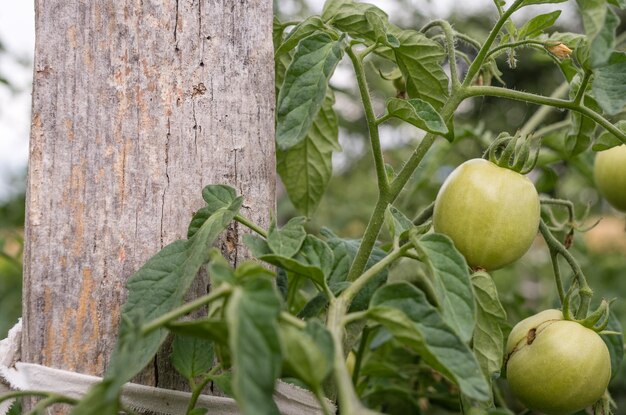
(610, 175)
(490, 213)
(556, 366)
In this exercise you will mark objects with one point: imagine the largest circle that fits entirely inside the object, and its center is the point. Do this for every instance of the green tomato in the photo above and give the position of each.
(610, 175)
(490, 213)
(556, 366)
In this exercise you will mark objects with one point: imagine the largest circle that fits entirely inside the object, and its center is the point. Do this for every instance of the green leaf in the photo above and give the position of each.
(156, 288)
(535, 26)
(488, 340)
(530, 2)
(191, 356)
(378, 23)
(304, 88)
(287, 241)
(313, 261)
(582, 129)
(331, 8)
(219, 270)
(344, 251)
(352, 18)
(615, 344)
(306, 168)
(252, 317)
(299, 32)
(218, 196)
(398, 223)
(308, 353)
(599, 22)
(607, 140)
(618, 3)
(418, 113)
(406, 313)
(451, 282)
(212, 329)
(420, 60)
(609, 84)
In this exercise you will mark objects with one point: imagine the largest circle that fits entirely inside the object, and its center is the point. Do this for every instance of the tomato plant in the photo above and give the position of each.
(610, 175)
(396, 321)
(491, 213)
(556, 366)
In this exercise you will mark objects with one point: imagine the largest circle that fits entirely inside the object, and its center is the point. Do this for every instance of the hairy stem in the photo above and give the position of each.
(543, 100)
(251, 225)
(556, 248)
(512, 45)
(158, 322)
(450, 49)
(537, 118)
(484, 50)
(372, 125)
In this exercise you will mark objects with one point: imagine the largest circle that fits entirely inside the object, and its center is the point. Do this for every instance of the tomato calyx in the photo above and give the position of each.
(518, 153)
(597, 321)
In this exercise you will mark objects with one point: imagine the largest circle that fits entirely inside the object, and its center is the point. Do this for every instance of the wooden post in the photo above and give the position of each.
(136, 106)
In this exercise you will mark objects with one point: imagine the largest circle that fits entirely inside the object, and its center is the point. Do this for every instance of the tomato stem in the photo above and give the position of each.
(372, 124)
(556, 248)
(450, 49)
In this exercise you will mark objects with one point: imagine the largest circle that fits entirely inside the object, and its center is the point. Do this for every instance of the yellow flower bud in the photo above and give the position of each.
(560, 50)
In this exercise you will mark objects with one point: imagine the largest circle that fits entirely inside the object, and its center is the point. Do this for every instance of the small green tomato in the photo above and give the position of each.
(556, 366)
(610, 175)
(490, 213)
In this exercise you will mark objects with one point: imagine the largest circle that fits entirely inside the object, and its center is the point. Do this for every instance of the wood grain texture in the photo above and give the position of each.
(136, 106)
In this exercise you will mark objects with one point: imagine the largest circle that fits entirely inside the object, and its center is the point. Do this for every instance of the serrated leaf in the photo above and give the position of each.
(451, 281)
(206, 328)
(287, 241)
(313, 261)
(607, 140)
(536, 25)
(406, 313)
(191, 356)
(308, 353)
(306, 169)
(155, 289)
(420, 60)
(352, 18)
(303, 29)
(615, 344)
(418, 113)
(304, 87)
(252, 317)
(609, 84)
(599, 22)
(488, 339)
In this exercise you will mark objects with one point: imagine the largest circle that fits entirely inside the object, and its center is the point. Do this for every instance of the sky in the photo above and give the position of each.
(17, 33)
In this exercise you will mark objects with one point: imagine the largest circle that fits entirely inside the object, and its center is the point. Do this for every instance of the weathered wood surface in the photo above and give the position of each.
(136, 106)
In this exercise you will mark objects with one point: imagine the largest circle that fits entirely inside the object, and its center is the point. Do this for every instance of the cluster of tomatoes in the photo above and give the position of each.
(492, 214)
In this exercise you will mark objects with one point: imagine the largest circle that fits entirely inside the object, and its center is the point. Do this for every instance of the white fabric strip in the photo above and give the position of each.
(16, 375)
